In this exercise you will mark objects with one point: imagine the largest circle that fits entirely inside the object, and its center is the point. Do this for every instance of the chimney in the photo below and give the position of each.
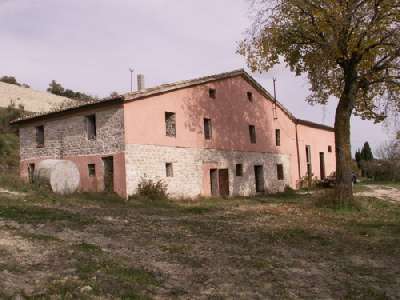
(140, 82)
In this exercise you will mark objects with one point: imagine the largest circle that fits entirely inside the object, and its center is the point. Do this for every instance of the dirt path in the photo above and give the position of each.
(382, 192)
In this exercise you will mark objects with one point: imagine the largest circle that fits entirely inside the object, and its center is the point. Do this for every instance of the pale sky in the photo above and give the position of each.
(89, 46)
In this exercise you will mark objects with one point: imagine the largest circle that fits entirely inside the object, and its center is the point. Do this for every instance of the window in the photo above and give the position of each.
(252, 132)
(278, 137)
(329, 148)
(279, 171)
(91, 127)
(169, 170)
(170, 124)
(239, 170)
(212, 93)
(92, 170)
(207, 129)
(40, 136)
(250, 96)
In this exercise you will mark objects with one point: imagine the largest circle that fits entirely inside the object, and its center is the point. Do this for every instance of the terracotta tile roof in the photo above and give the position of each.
(315, 125)
(170, 87)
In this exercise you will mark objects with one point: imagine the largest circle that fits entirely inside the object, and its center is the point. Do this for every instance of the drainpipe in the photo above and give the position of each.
(298, 151)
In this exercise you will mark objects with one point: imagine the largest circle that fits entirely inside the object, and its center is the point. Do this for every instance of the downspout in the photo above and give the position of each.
(298, 151)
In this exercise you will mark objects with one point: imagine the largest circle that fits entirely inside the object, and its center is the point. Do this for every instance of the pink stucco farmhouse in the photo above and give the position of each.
(217, 135)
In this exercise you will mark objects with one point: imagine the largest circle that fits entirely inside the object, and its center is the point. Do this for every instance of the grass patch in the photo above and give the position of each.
(39, 237)
(109, 276)
(38, 215)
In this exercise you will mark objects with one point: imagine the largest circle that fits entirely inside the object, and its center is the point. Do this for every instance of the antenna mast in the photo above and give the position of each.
(131, 70)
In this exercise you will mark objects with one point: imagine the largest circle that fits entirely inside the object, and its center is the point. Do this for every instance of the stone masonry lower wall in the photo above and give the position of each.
(191, 169)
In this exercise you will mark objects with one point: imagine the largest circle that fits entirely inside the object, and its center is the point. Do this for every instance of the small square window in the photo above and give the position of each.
(91, 127)
(170, 124)
(250, 96)
(239, 170)
(92, 170)
(279, 171)
(207, 129)
(252, 133)
(329, 148)
(278, 137)
(169, 170)
(212, 93)
(40, 136)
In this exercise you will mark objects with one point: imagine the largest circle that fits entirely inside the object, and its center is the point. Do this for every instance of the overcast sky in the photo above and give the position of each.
(89, 45)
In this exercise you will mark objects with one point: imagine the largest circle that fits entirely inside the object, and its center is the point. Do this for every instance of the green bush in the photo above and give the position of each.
(153, 190)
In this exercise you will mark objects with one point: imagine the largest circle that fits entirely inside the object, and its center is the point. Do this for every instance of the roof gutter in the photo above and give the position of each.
(39, 116)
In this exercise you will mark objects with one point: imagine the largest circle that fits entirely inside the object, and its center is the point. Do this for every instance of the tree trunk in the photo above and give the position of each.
(344, 172)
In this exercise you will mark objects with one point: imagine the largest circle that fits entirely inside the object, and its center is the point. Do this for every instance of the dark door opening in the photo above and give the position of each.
(223, 177)
(108, 163)
(214, 182)
(322, 165)
(259, 174)
(31, 172)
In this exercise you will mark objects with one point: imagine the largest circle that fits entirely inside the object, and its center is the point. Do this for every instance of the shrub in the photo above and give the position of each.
(382, 170)
(153, 190)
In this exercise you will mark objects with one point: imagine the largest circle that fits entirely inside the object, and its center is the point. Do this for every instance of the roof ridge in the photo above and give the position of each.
(169, 87)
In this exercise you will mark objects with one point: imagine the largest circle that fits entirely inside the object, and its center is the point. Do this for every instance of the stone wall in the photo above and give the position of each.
(191, 169)
(67, 136)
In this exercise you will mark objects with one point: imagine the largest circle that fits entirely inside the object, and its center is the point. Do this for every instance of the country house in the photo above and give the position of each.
(217, 135)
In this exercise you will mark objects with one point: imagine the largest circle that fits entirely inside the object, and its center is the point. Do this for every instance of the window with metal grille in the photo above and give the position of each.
(212, 93)
(279, 171)
(170, 124)
(239, 170)
(252, 132)
(40, 136)
(169, 170)
(207, 129)
(91, 127)
(278, 137)
(92, 170)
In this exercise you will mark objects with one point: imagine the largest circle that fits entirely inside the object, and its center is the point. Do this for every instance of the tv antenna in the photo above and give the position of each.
(131, 70)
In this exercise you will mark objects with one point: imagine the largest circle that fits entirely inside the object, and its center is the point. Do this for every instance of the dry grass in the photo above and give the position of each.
(283, 246)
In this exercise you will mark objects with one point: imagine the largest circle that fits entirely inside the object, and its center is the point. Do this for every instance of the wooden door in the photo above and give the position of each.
(223, 178)
(322, 165)
(108, 163)
(259, 176)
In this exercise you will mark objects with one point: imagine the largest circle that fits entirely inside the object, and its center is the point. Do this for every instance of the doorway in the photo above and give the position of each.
(214, 182)
(223, 178)
(322, 165)
(219, 180)
(108, 163)
(31, 173)
(259, 175)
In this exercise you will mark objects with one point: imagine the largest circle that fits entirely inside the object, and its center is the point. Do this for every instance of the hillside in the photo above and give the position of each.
(32, 100)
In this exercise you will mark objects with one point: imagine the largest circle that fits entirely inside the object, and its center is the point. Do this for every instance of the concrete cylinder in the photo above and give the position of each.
(62, 176)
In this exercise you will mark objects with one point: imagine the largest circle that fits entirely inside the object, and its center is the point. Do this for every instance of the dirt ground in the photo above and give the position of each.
(382, 192)
(276, 247)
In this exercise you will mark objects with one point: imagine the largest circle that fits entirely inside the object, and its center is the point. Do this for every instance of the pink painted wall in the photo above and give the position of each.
(319, 140)
(91, 184)
(231, 114)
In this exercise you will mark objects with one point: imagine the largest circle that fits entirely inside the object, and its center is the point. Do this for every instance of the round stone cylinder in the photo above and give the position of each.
(62, 176)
